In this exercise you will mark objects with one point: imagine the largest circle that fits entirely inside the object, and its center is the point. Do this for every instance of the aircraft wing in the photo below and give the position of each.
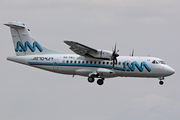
(80, 49)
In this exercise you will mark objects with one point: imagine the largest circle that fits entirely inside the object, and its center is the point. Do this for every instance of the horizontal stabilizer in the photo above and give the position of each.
(15, 25)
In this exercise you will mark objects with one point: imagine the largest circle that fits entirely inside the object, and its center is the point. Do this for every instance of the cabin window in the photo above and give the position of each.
(90, 62)
(82, 62)
(79, 61)
(107, 63)
(103, 62)
(87, 62)
(99, 62)
(67, 61)
(71, 61)
(74, 61)
(119, 63)
(111, 63)
(94, 62)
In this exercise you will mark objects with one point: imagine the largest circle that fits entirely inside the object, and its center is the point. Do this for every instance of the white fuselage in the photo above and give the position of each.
(71, 64)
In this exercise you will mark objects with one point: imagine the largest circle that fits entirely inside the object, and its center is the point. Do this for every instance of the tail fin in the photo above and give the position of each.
(24, 44)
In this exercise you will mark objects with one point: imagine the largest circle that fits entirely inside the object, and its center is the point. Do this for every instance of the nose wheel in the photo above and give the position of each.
(161, 82)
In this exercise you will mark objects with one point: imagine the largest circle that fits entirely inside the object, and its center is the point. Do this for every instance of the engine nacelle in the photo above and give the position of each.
(102, 54)
(83, 72)
(106, 73)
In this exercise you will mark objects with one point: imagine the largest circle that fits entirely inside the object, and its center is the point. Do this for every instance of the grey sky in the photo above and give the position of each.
(150, 27)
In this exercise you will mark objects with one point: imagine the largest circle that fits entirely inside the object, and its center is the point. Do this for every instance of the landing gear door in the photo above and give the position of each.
(55, 64)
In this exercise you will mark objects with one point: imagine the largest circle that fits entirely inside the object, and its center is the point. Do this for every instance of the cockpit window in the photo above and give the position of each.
(161, 62)
(158, 62)
(154, 62)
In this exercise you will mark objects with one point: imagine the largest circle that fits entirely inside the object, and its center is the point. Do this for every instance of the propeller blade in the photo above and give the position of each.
(116, 61)
(113, 65)
(114, 56)
(115, 48)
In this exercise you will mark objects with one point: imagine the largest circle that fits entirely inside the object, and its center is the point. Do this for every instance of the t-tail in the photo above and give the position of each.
(24, 44)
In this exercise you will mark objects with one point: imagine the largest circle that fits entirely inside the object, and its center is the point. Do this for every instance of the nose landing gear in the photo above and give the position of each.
(161, 82)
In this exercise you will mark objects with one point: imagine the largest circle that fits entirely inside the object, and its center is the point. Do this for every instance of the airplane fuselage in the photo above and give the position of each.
(127, 66)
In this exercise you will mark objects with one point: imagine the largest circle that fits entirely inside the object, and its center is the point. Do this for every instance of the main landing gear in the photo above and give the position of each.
(99, 81)
(91, 79)
(161, 82)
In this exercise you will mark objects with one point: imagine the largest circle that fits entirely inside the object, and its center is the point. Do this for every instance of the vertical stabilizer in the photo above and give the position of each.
(23, 42)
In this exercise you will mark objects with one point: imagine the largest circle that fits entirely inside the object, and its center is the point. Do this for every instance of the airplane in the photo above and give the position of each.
(88, 62)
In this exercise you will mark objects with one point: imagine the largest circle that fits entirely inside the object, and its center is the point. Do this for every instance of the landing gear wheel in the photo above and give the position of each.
(100, 82)
(161, 82)
(91, 79)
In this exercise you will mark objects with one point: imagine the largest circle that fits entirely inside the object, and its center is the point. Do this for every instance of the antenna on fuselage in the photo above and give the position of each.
(132, 53)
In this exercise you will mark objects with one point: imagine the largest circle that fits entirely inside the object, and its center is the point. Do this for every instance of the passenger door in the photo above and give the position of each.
(55, 64)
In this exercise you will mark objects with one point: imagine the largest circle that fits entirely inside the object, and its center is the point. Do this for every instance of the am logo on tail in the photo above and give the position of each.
(26, 46)
(88, 62)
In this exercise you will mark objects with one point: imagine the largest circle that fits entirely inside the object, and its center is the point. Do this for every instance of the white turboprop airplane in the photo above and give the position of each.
(91, 63)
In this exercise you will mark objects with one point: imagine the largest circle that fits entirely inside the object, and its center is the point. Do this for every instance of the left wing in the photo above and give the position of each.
(86, 51)
(80, 49)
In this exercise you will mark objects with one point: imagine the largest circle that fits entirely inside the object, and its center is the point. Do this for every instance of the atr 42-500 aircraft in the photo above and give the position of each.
(89, 62)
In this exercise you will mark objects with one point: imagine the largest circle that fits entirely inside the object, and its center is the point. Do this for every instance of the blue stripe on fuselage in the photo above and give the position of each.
(94, 65)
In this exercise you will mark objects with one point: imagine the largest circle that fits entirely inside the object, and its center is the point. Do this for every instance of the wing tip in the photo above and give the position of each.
(69, 42)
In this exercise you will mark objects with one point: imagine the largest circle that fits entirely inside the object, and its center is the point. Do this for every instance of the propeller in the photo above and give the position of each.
(114, 56)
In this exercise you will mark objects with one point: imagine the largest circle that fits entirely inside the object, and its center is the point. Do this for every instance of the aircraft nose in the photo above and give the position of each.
(170, 71)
